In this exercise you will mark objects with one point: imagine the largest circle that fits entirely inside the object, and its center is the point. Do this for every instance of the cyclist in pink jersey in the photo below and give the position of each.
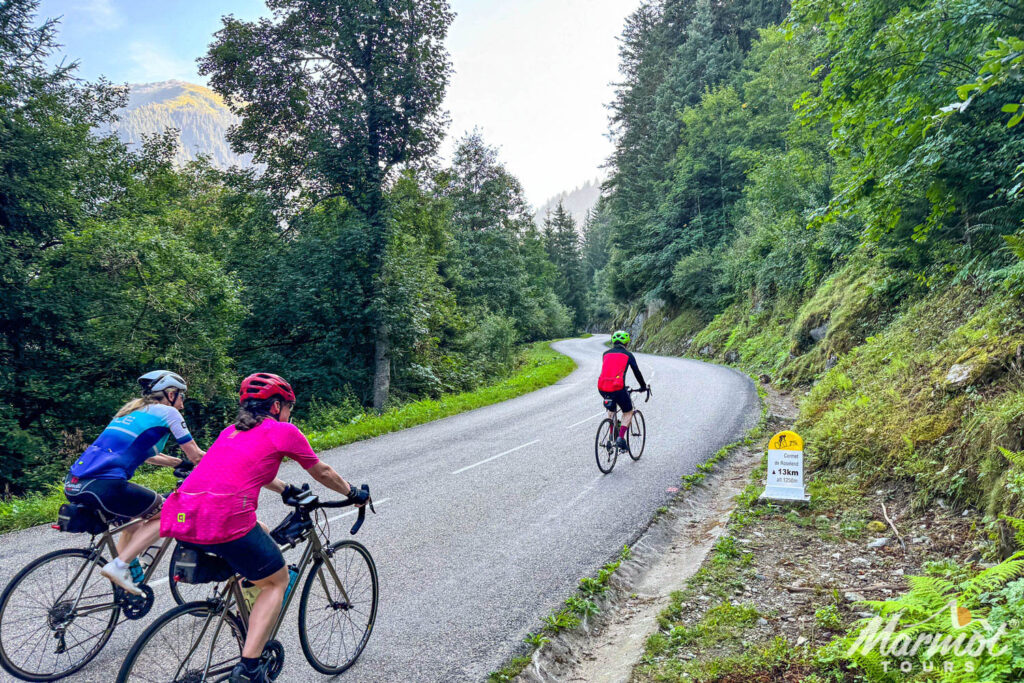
(215, 507)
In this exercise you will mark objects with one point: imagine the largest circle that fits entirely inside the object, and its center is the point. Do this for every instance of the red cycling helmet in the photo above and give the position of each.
(263, 385)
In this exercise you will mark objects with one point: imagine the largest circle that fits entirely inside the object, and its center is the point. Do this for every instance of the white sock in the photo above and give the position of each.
(119, 563)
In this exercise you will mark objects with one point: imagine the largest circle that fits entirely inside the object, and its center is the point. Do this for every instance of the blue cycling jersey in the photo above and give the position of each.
(129, 440)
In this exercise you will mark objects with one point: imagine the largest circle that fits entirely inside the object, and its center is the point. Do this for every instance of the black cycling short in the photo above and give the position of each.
(620, 398)
(118, 499)
(255, 555)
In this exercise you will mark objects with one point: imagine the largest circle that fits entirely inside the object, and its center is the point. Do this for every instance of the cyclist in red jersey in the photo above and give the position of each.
(612, 382)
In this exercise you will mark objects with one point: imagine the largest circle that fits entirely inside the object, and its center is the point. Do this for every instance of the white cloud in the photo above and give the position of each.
(152, 62)
(97, 15)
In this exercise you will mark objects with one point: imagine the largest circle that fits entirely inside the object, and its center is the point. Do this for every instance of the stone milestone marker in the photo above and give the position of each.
(786, 468)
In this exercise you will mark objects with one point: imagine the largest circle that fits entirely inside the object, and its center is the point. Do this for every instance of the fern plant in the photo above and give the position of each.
(946, 629)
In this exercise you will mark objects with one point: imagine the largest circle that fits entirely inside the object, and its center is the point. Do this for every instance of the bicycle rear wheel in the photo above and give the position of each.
(637, 437)
(605, 450)
(47, 631)
(338, 608)
(189, 592)
(197, 641)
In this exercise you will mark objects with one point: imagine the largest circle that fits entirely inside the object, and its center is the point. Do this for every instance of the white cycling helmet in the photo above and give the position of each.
(158, 380)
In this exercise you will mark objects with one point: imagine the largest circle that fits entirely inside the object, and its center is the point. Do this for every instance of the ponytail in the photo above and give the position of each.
(253, 412)
(137, 403)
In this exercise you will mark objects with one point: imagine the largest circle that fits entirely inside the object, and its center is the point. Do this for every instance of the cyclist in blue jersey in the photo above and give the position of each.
(99, 477)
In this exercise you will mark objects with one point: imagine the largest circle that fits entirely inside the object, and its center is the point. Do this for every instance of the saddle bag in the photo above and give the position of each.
(192, 565)
(79, 519)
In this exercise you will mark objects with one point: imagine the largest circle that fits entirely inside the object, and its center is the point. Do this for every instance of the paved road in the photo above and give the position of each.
(489, 518)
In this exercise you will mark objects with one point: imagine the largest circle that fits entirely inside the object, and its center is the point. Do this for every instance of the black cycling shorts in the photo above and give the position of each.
(620, 398)
(254, 556)
(118, 499)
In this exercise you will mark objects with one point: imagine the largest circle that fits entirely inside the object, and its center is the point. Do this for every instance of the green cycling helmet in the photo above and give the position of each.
(620, 337)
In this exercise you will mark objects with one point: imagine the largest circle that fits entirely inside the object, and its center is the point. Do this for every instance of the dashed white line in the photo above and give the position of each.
(352, 512)
(511, 450)
(577, 424)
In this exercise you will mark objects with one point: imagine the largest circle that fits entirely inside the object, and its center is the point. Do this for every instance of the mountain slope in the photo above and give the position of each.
(578, 202)
(197, 112)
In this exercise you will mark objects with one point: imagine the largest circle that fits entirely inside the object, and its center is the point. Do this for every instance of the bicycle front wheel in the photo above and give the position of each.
(605, 450)
(56, 615)
(637, 435)
(197, 641)
(338, 607)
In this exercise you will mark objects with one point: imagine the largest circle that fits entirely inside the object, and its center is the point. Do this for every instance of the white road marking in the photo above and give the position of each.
(577, 424)
(160, 582)
(511, 450)
(352, 512)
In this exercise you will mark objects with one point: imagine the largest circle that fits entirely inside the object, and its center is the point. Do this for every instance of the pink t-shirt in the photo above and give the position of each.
(217, 502)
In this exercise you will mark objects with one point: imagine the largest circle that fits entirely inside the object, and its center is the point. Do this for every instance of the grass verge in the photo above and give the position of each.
(541, 366)
(577, 608)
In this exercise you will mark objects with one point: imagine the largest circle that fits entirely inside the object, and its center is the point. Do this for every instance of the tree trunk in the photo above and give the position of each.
(381, 367)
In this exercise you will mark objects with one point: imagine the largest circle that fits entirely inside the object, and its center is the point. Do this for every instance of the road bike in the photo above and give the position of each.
(202, 641)
(606, 449)
(58, 612)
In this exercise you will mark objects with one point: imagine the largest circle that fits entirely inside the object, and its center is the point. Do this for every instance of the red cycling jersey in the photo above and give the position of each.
(613, 372)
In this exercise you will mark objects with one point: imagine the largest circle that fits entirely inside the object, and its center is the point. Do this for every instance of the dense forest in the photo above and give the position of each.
(353, 265)
(759, 151)
(830, 194)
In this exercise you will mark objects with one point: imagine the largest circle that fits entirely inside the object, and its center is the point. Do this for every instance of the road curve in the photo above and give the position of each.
(489, 518)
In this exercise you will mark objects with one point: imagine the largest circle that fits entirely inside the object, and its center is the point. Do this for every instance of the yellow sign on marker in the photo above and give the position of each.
(786, 441)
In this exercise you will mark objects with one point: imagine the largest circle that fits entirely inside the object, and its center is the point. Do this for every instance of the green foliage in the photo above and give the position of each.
(951, 610)
(560, 621)
(513, 668)
(827, 617)
(582, 606)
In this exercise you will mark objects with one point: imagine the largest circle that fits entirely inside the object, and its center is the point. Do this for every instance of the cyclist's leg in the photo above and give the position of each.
(265, 611)
(624, 402)
(256, 557)
(135, 502)
(121, 499)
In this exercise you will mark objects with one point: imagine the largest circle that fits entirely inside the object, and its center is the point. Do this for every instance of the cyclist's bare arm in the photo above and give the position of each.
(326, 475)
(191, 450)
(321, 472)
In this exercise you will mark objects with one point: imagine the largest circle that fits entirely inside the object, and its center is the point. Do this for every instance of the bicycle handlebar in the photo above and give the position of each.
(309, 501)
(638, 391)
(184, 468)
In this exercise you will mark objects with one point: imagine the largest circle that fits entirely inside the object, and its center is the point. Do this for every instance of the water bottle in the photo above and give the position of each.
(146, 558)
(250, 592)
(293, 575)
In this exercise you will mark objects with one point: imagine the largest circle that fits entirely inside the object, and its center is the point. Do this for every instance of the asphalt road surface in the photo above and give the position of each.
(486, 520)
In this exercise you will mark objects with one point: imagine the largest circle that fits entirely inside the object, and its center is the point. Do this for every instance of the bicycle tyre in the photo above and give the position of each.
(5, 603)
(304, 638)
(637, 434)
(191, 614)
(606, 453)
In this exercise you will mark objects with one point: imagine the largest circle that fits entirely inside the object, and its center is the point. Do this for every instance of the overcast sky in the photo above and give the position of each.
(533, 75)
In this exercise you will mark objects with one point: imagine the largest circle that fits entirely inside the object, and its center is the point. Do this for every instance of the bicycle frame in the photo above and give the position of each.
(232, 592)
(95, 548)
